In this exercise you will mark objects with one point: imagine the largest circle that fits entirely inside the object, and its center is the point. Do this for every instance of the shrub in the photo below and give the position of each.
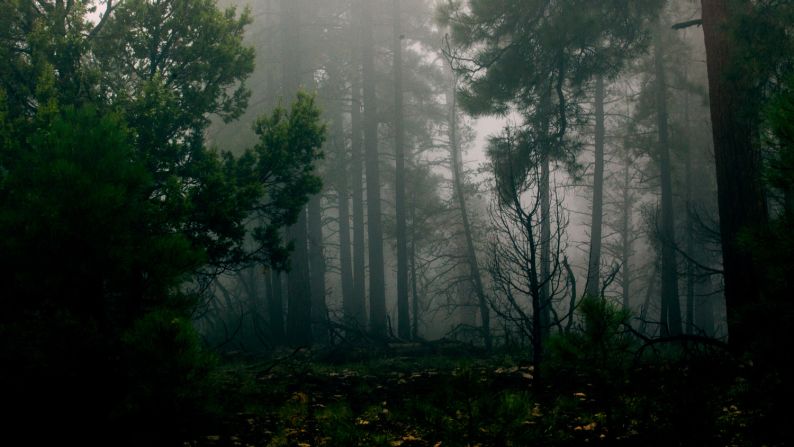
(167, 372)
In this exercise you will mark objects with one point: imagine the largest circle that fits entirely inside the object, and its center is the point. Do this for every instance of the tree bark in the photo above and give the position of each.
(626, 230)
(414, 286)
(543, 306)
(594, 268)
(343, 202)
(690, 230)
(704, 306)
(738, 167)
(403, 318)
(275, 306)
(671, 307)
(471, 253)
(357, 313)
(650, 291)
(299, 298)
(317, 271)
(299, 315)
(377, 290)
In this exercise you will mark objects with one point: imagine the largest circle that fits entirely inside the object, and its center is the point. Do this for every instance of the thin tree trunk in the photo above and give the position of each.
(414, 287)
(299, 315)
(671, 308)
(626, 236)
(377, 290)
(317, 271)
(690, 230)
(539, 327)
(319, 312)
(545, 246)
(357, 315)
(650, 291)
(270, 53)
(299, 298)
(275, 303)
(275, 306)
(403, 318)
(471, 253)
(738, 165)
(704, 307)
(544, 309)
(594, 268)
(343, 201)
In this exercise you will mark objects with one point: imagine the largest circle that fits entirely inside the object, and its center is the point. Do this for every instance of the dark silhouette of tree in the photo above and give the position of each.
(403, 318)
(377, 292)
(738, 160)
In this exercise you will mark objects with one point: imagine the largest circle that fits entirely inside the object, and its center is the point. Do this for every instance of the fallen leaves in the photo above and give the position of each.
(407, 439)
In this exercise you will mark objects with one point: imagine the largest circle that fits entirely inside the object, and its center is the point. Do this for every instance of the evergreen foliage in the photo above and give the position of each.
(113, 209)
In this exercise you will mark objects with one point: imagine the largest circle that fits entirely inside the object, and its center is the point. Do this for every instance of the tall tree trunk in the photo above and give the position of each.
(594, 268)
(539, 282)
(275, 306)
(538, 324)
(788, 203)
(377, 290)
(414, 286)
(626, 240)
(671, 307)
(738, 163)
(690, 230)
(343, 201)
(545, 246)
(356, 315)
(319, 313)
(544, 306)
(704, 306)
(650, 291)
(471, 253)
(290, 49)
(299, 299)
(403, 318)
(299, 306)
(317, 271)
(270, 53)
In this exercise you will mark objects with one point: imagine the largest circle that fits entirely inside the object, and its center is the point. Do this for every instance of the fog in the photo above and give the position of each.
(322, 54)
(396, 222)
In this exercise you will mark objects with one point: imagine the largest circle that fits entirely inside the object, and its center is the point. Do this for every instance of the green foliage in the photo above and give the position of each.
(338, 424)
(762, 37)
(289, 143)
(534, 57)
(188, 52)
(605, 388)
(167, 372)
(599, 349)
(675, 395)
(772, 246)
(780, 121)
(111, 205)
(527, 46)
(75, 201)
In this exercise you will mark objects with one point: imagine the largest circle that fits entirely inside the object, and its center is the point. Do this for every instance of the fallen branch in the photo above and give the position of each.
(687, 24)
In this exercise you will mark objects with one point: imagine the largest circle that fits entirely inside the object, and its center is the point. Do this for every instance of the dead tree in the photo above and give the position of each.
(519, 280)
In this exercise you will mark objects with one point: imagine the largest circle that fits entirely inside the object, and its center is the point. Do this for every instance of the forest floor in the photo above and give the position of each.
(463, 400)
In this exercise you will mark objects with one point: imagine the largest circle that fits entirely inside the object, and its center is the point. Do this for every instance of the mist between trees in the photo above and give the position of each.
(187, 179)
(401, 241)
